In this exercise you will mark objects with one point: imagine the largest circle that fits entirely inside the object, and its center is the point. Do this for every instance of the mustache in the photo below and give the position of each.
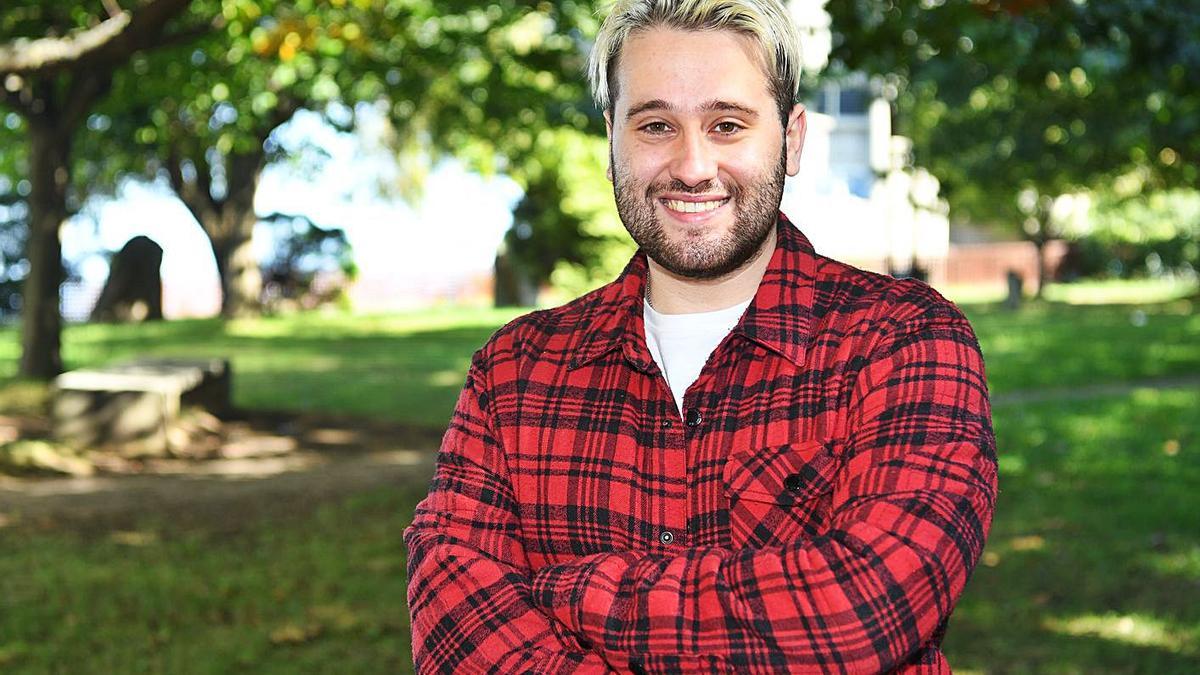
(676, 185)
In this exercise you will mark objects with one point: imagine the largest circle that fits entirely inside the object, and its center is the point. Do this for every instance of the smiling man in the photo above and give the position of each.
(739, 456)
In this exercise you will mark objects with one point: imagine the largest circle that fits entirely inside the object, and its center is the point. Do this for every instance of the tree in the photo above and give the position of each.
(480, 83)
(565, 229)
(211, 79)
(57, 60)
(1011, 103)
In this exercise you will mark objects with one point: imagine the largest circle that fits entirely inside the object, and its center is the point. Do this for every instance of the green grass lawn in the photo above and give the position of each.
(317, 594)
(409, 367)
(1061, 346)
(1093, 564)
(405, 367)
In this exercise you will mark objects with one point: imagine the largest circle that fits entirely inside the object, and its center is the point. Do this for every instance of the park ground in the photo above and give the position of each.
(292, 562)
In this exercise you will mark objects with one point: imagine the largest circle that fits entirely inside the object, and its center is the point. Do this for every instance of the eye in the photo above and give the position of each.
(728, 128)
(656, 128)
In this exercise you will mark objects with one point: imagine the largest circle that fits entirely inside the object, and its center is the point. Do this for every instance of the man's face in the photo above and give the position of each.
(698, 154)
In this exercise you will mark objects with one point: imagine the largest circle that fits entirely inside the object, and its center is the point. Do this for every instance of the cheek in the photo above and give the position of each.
(641, 158)
(752, 164)
(636, 168)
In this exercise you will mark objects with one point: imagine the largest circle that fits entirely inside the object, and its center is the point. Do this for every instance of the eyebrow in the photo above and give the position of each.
(713, 105)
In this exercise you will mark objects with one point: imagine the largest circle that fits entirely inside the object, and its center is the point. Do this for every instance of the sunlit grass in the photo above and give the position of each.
(1061, 346)
(406, 367)
(1093, 560)
(1136, 629)
(409, 366)
(1121, 291)
(1086, 292)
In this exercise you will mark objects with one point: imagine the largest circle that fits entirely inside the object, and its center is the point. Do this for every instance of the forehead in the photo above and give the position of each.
(685, 67)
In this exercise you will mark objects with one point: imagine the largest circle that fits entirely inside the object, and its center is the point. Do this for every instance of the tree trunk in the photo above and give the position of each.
(41, 319)
(229, 224)
(1040, 243)
(241, 279)
(52, 83)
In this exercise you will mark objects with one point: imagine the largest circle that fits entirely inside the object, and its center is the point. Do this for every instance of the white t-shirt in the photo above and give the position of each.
(682, 343)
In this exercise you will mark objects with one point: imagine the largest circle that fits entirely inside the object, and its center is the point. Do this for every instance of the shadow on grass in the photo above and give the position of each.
(323, 592)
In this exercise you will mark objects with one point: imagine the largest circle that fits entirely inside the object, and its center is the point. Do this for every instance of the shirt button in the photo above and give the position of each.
(666, 424)
(636, 668)
(693, 417)
(666, 537)
(794, 482)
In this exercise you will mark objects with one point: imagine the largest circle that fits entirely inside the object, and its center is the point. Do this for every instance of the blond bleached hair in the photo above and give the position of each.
(765, 22)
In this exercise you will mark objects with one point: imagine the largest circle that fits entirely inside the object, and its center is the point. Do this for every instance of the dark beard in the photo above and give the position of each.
(756, 210)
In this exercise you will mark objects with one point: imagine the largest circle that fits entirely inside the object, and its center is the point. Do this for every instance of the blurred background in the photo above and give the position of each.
(248, 247)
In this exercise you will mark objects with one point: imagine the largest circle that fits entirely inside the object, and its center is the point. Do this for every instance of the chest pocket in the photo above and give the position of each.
(780, 494)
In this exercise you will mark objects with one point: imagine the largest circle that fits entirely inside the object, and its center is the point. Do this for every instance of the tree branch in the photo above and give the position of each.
(111, 7)
(43, 54)
(111, 41)
(182, 36)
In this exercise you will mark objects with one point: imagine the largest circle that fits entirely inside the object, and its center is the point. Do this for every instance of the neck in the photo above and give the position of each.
(672, 294)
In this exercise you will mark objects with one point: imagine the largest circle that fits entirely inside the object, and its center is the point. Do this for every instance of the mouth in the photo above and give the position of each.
(703, 206)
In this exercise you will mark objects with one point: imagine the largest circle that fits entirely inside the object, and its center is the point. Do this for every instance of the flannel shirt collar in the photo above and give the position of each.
(780, 317)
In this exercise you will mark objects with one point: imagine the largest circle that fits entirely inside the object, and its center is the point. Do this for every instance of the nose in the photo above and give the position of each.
(695, 160)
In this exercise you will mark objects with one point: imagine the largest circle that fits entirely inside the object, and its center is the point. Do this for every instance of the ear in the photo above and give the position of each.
(794, 138)
(609, 135)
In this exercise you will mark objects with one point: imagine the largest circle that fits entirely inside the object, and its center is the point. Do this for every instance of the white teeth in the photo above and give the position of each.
(693, 207)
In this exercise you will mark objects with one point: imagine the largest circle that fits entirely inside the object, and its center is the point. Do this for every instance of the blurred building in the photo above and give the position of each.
(857, 197)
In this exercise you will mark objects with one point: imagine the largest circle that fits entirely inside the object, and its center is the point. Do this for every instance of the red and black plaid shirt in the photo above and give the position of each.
(818, 507)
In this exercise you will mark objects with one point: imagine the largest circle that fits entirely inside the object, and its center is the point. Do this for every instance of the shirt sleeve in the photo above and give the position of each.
(911, 507)
(469, 581)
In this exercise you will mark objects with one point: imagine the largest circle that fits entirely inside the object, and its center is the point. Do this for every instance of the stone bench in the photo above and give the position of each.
(134, 405)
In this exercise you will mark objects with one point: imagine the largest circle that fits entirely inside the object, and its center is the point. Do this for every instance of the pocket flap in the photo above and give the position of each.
(784, 474)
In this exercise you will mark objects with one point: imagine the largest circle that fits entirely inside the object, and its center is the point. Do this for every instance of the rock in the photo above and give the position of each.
(140, 408)
(133, 292)
(43, 456)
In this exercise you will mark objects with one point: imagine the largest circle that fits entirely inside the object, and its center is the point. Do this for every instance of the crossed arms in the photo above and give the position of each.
(911, 506)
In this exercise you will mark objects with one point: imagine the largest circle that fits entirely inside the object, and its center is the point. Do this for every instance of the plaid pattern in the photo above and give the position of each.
(817, 507)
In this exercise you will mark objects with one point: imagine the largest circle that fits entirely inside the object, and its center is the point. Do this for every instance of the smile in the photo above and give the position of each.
(694, 207)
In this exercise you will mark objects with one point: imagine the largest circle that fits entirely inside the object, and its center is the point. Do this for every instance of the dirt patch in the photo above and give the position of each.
(274, 465)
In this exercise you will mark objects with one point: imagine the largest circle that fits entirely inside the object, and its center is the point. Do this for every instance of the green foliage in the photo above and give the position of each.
(454, 77)
(565, 229)
(33, 19)
(1145, 235)
(95, 163)
(14, 224)
(1003, 96)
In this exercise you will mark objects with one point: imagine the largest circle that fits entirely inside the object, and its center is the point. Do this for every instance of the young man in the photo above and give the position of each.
(740, 456)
